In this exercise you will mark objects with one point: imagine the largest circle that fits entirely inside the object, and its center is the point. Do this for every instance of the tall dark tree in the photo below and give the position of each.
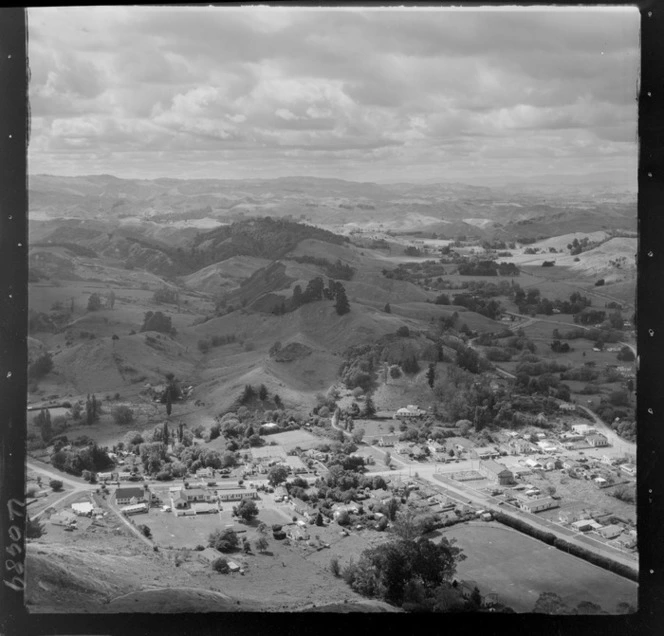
(296, 300)
(387, 309)
(169, 403)
(341, 305)
(165, 434)
(431, 374)
(262, 392)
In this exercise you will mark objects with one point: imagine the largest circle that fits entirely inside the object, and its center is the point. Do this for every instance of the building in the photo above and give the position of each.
(597, 440)
(496, 472)
(237, 494)
(412, 410)
(583, 429)
(107, 476)
(629, 469)
(134, 509)
(566, 406)
(204, 508)
(610, 532)
(537, 505)
(388, 440)
(82, 509)
(547, 446)
(198, 495)
(521, 447)
(63, 518)
(582, 525)
(204, 472)
(532, 463)
(132, 495)
(485, 452)
(460, 444)
(208, 555)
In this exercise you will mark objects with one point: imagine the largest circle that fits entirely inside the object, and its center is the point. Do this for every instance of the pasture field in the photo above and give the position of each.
(291, 439)
(517, 569)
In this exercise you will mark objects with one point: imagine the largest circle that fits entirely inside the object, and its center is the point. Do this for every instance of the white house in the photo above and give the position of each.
(412, 410)
(583, 429)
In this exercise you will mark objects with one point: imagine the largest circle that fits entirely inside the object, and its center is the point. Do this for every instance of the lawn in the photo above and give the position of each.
(291, 439)
(517, 569)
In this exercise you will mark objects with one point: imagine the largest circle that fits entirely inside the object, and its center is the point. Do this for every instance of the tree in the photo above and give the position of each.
(431, 374)
(261, 544)
(56, 485)
(341, 304)
(277, 475)
(387, 309)
(34, 529)
(224, 540)
(169, 404)
(335, 568)
(111, 300)
(369, 407)
(403, 332)
(550, 603)
(221, 565)
(43, 421)
(262, 393)
(40, 367)
(358, 434)
(94, 302)
(122, 414)
(630, 386)
(114, 337)
(388, 458)
(626, 354)
(145, 531)
(277, 401)
(246, 510)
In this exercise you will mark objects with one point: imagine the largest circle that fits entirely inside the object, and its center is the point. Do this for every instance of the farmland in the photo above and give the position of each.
(517, 569)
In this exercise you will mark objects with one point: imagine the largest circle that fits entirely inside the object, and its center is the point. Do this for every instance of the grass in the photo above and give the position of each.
(291, 439)
(518, 569)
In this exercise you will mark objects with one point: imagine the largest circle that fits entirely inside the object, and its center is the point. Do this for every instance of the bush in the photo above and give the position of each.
(56, 485)
(221, 565)
(403, 332)
(224, 540)
(94, 302)
(40, 367)
(122, 414)
(335, 568)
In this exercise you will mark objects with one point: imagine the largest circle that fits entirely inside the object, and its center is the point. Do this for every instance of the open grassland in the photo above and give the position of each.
(517, 569)
(291, 439)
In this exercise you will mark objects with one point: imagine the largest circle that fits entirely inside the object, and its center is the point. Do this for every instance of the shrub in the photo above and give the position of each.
(221, 565)
(403, 332)
(40, 367)
(224, 540)
(56, 485)
(122, 414)
(94, 302)
(335, 568)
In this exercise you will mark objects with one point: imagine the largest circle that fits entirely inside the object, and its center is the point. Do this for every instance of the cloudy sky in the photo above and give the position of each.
(370, 95)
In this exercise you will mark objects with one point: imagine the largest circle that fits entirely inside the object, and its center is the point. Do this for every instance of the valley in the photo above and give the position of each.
(366, 340)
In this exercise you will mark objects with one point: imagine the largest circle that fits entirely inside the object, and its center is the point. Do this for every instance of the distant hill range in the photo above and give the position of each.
(448, 209)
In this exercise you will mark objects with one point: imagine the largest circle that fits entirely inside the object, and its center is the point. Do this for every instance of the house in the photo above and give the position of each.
(236, 494)
(537, 505)
(610, 532)
(496, 472)
(521, 447)
(204, 508)
(132, 495)
(412, 410)
(204, 472)
(124, 476)
(547, 446)
(417, 451)
(566, 406)
(388, 440)
(532, 463)
(629, 469)
(609, 461)
(134, 509)
(208, 555)
(268, 427)
(63, 518)
(583, 429)
(460, 444)
(297, 533)
(583, 525)
(106, 476)
(402, 448)
(485, 452)
(570, 464)
(531, 492)
(82, 509)
(233, 566)
(198, 495)
(597, 440)
(179, 500)
(571, 437)
(549, 463)
(600, 481)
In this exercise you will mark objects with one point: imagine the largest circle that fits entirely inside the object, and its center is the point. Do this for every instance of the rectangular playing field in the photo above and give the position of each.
(291, 439)
(517, 569)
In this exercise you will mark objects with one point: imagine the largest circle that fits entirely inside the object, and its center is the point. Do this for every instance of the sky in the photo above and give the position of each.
(473, 95)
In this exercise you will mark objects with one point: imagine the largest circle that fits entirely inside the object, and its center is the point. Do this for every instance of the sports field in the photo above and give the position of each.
(517, 569)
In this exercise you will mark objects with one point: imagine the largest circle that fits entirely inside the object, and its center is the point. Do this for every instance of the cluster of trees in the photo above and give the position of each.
(206, 344)
(166, 295)
(314, 291)
(157, 321)
(479, 268)
(590, 317)
(336, 270)
(413, 574)
(576, 246)
(489, 308)
(40, 367)
(76, 460)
